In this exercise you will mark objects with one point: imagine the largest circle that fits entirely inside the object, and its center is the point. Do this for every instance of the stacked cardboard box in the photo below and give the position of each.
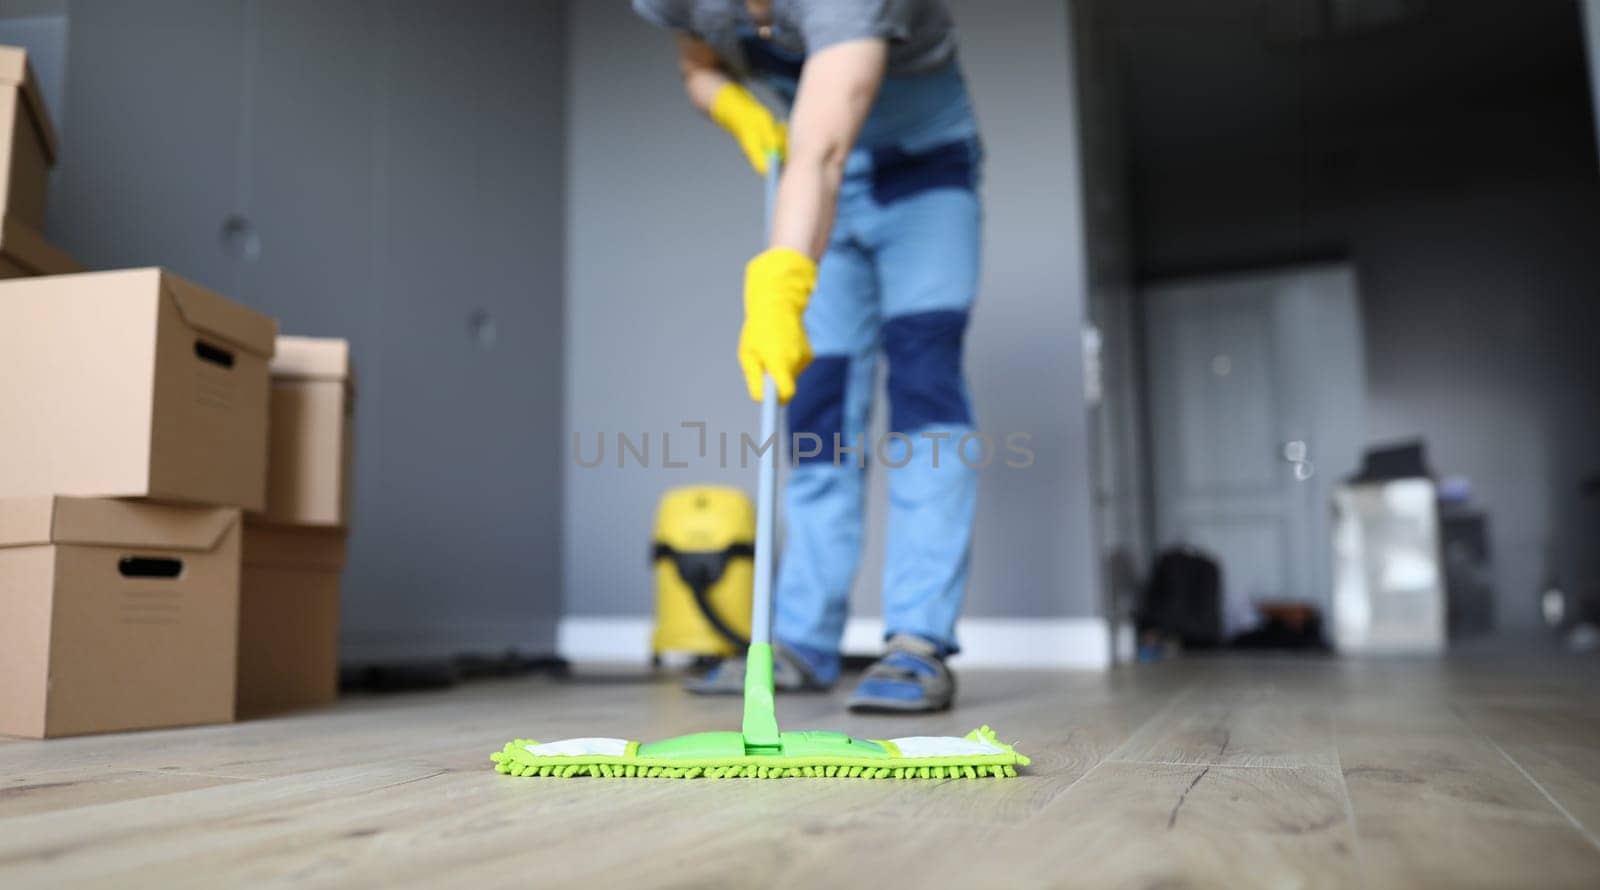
(135, 424)
(27, 150)
(135, 383)
(294, 550)
(134, 440)
(115, 615)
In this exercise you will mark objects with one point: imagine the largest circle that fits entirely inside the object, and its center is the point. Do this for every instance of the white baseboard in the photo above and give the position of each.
(595, 638)
(1075, 643)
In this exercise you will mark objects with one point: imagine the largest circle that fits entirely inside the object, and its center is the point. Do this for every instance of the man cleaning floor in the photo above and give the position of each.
(874, 247)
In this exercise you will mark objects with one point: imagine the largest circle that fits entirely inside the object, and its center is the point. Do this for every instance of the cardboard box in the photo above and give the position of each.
(133, 384)
(27, 141)
(309, 455)
(115, 615)
(24, 253)
(289, 618)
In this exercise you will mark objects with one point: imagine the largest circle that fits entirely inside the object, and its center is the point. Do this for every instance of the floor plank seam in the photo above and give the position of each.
(196, 774)
(1160, 714)
(402, 782)
(1356, 849)
(1323, 767)
(1171, 703)
(1566, 813)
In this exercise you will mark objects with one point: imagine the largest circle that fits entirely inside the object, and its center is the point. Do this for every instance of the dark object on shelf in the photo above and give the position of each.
(1468, 573)
(1183, 600)
(442, 673)
(1405, 460)
(1287, 627)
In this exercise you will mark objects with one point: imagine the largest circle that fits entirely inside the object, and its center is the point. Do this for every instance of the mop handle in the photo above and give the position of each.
(767, 487)
(760, 728)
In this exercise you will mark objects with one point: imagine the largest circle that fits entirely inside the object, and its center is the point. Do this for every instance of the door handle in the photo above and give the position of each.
(1298, 454)
(239, 238)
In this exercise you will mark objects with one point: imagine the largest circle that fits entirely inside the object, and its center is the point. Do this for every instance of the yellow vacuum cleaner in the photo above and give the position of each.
(704, 541)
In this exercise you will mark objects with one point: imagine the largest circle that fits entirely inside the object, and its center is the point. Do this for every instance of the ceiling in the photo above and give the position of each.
(1246, 80)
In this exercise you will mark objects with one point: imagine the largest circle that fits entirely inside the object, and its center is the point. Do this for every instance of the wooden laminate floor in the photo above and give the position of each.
(1269, 772)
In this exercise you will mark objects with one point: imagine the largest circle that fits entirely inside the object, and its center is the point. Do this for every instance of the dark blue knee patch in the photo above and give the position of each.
(818, 404)
(898, 174)
(924, 351)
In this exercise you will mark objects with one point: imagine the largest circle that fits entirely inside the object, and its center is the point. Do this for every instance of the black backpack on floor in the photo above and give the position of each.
(1183, 599)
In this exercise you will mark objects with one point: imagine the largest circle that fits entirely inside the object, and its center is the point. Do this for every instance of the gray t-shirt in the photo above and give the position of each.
(920, 33)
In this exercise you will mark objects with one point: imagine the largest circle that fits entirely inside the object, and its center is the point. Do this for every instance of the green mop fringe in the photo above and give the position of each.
(514, 760)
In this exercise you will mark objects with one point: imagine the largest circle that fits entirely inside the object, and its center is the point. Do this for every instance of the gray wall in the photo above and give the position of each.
(1452, 160)
(1481, 318)
(401, 166)
(663, 214)
(11, 9)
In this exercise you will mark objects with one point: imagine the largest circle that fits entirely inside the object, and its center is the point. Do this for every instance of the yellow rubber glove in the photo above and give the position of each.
(777, 287)
(758, 133)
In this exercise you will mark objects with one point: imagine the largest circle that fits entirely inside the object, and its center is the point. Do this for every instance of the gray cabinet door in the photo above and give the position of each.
(313, 106)
(149, 165)
(403, 174)
(461, 402)
(388, 171)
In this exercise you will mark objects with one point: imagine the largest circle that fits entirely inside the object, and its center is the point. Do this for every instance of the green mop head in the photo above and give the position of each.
(762, 752)
(724, 755)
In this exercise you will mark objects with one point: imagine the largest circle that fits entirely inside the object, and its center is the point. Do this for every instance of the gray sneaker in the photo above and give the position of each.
(911, 679)
(789, 674)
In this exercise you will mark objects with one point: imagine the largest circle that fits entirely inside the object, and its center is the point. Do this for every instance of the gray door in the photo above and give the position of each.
(461, 483)
(305, 217)
(1257, 403)
(149, 165)
(401, 173)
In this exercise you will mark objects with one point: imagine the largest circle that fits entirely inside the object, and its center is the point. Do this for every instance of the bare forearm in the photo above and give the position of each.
(836, 93)
(702, 71)
(702, 84)
(808, 195)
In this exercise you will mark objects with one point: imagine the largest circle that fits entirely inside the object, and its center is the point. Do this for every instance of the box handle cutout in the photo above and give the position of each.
(213, 354)
(149, 567)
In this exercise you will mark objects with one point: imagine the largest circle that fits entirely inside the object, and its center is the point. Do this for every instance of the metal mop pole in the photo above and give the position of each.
(760, 711)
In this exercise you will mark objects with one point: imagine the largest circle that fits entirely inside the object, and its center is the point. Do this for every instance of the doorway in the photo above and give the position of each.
(1257, 406)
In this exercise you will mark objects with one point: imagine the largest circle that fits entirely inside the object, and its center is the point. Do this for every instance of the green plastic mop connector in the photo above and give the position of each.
(760, 710)
(760, 737)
